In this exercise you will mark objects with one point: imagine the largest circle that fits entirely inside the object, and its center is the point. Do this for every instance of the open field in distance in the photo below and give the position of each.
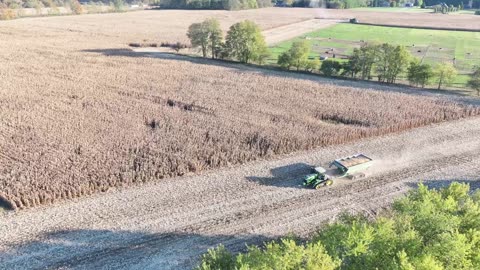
(410, 19)
(430, 46)
(151, 24)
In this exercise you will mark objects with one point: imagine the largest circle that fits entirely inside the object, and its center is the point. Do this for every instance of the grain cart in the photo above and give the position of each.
(351, 167)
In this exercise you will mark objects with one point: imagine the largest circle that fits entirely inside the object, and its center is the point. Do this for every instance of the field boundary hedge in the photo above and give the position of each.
(274, 68)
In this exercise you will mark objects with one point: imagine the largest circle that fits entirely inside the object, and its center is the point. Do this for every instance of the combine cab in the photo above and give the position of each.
(352, 167)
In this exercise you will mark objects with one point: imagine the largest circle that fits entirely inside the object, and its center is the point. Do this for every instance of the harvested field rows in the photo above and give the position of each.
(468, 22)
(64, 143)
(168, 224)
(171, 25)
(81, 114)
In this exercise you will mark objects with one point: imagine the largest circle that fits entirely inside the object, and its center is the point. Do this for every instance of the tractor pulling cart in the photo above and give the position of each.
(351, 167)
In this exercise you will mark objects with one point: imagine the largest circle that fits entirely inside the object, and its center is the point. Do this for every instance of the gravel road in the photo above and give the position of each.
(168, 224)
(289, 31)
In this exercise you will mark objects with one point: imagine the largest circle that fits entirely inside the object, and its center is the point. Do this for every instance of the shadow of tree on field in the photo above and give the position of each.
(5, 205)
(459, 96)
(118, 52)
(442, 183)
(105, 249)
(289, 176)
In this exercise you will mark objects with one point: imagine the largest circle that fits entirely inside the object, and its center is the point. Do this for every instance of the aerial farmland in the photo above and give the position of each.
(115, 156)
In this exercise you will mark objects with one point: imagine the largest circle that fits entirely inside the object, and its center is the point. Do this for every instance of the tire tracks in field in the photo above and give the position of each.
(277, 212)
(168, 224)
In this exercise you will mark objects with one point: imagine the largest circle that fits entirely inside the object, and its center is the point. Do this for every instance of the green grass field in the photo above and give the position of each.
(431, 46)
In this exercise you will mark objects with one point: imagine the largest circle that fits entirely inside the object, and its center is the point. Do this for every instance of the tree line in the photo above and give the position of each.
(214, 4)
(455, 3)
(335, 4)
(340, 4)
(177, 4)
(15, 4)
(385, 61)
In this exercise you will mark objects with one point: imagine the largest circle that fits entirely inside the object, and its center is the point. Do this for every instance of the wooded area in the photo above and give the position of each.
(428, 229)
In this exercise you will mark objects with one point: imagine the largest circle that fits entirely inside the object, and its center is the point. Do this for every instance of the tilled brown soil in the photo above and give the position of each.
(407, 19)
(168, 224)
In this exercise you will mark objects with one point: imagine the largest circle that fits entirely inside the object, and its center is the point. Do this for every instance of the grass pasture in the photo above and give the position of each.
(431, 46)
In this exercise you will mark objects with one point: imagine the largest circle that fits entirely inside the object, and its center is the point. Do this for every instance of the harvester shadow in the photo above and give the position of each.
(442, 183)
(289, 176)
(460, 96)
(105, 249)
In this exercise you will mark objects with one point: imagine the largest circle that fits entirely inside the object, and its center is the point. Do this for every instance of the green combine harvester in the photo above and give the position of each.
(352, 167)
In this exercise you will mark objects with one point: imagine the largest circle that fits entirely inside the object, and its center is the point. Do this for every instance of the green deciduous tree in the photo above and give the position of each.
(474, 81)
(246, 43)
(354, 64)
(263, 55)
(331, 68)
(296, 56)
(391, 61)
(217, 259)
(445, 73)
(198, 37)
(285, 254)
(426, 230)
(215, 37)
(299, 53)
(419, 74)
(206, 35)
(363, 59)
(312, 64)
(284, 60)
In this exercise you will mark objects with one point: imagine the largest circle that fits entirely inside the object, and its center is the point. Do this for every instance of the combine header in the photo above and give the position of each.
(352, 167)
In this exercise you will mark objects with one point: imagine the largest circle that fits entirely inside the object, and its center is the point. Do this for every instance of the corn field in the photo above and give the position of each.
(80, 113)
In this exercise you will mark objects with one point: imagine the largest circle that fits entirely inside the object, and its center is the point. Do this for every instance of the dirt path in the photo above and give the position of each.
(286, 32)
(168, 224)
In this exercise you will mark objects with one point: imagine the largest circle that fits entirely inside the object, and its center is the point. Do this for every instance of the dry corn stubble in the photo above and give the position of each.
(80, 114)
